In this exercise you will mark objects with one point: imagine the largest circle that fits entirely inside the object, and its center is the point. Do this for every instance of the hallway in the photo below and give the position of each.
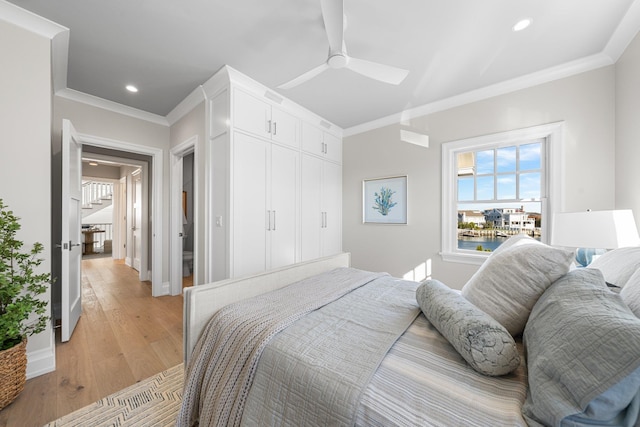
(123, 336)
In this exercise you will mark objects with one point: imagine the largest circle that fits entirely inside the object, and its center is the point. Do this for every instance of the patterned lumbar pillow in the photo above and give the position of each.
(481, 341)
(511, 280)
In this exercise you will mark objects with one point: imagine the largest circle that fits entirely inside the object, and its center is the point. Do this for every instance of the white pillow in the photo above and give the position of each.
(511, 280)
(618, 265)
(630, 293)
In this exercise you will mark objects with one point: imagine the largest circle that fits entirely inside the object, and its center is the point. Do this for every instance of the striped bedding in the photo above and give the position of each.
(423, 381)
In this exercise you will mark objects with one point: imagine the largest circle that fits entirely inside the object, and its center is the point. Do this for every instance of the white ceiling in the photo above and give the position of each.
(168, 48)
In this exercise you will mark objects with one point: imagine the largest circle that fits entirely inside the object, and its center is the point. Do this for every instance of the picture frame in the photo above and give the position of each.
(384, 200)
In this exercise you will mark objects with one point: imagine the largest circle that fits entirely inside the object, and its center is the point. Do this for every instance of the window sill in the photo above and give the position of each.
(465, 258)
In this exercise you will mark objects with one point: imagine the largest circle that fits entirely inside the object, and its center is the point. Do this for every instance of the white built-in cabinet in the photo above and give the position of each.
(264, 204)
(260, 118)
(321, 143)
(321, 207)
(277, 198)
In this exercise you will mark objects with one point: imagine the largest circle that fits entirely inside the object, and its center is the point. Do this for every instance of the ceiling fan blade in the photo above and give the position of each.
(304, 77)
(333, 16)
(381, 72)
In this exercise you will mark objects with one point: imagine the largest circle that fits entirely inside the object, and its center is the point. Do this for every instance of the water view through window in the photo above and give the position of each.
(499, 193)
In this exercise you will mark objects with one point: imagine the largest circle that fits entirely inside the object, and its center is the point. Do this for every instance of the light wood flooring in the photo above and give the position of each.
(124, 335)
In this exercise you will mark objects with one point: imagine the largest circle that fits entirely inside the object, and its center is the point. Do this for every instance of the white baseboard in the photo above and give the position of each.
(42, 361)
(166, 288)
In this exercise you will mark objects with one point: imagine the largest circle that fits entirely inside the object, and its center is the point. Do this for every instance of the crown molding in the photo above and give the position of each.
(115, 107)
(29, 21)
(554, 73)
(195, 98)
(624, 33)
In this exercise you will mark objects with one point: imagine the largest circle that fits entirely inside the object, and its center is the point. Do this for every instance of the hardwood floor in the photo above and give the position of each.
(124, 335)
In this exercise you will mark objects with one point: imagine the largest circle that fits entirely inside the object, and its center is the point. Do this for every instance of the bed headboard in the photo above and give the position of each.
(200, 302)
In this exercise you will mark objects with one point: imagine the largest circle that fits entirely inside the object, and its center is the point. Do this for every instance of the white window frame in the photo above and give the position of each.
(552, 179)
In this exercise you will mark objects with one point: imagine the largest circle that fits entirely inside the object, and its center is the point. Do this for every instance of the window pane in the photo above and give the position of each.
(506, 159)
(465, 188)
(506, 187)
(488, 225)
(530, 185)
(530, 156)
(485, 188)
(484, 160)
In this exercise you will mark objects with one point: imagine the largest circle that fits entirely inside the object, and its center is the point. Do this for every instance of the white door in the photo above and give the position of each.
(249, 206)
(331, 206)
(312, 217)
(284, 200)
(136, 226)
(70, 246)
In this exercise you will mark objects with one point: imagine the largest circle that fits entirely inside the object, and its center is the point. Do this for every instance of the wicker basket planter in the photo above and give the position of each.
(13, 372)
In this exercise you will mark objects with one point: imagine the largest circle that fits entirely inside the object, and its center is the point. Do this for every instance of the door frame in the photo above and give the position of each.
(119, 196)
(177, 154)
(156, 232)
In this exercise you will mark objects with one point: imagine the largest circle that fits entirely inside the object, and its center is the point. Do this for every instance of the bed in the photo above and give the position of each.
(343, 346)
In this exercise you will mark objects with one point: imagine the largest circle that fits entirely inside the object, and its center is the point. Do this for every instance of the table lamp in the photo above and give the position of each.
(593, 231)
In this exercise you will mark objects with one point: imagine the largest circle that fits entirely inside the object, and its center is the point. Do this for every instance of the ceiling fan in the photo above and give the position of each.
(333, 16)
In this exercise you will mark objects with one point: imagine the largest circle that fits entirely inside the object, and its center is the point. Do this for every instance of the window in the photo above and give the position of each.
(498, 185)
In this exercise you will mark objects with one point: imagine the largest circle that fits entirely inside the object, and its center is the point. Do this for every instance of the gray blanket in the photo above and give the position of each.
(223, 363)
(314, 372)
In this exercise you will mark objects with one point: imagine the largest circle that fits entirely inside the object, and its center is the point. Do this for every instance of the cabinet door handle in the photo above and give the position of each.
(268, 126)
(274, 221)
(275, 128)
(326, 148)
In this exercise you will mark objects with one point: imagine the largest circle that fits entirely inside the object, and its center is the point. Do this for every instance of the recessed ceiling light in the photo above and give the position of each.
(132, 88)
(93, 163)
(522, 24)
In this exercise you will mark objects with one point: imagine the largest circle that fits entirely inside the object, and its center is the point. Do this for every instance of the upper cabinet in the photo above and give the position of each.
(321, 143)
(259, 117)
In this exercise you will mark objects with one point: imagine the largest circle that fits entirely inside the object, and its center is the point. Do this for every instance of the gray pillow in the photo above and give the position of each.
(480, 340)
(583, 355)
(512, 279)
(630, 293)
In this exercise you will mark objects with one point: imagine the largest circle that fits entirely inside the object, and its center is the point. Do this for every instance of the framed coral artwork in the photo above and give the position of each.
(384, 200)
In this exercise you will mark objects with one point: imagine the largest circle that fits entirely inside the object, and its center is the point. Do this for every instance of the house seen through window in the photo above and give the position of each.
(499, 194)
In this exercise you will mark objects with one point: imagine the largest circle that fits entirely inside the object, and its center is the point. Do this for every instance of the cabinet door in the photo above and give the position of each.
(249, 204)
(311, 208)
(312, 139)
(251, 114)
(332, 208)
(332, 147)
(284, 128)
(284, 201)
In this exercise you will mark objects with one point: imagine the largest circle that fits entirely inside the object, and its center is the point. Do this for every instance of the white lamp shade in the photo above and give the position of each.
(595, 229)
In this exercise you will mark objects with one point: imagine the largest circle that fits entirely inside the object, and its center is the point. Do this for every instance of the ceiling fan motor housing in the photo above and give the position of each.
(338, 60)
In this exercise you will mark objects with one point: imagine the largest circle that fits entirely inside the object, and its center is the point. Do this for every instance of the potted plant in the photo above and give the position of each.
(22, 312)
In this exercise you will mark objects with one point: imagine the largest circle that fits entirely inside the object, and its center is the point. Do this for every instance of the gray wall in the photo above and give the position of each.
(585, 102)
(193, 124)
(25, 119)
(628, 129)
(102, 123)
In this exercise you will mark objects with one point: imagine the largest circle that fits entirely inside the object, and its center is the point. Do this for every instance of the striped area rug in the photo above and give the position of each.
(151, 402)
